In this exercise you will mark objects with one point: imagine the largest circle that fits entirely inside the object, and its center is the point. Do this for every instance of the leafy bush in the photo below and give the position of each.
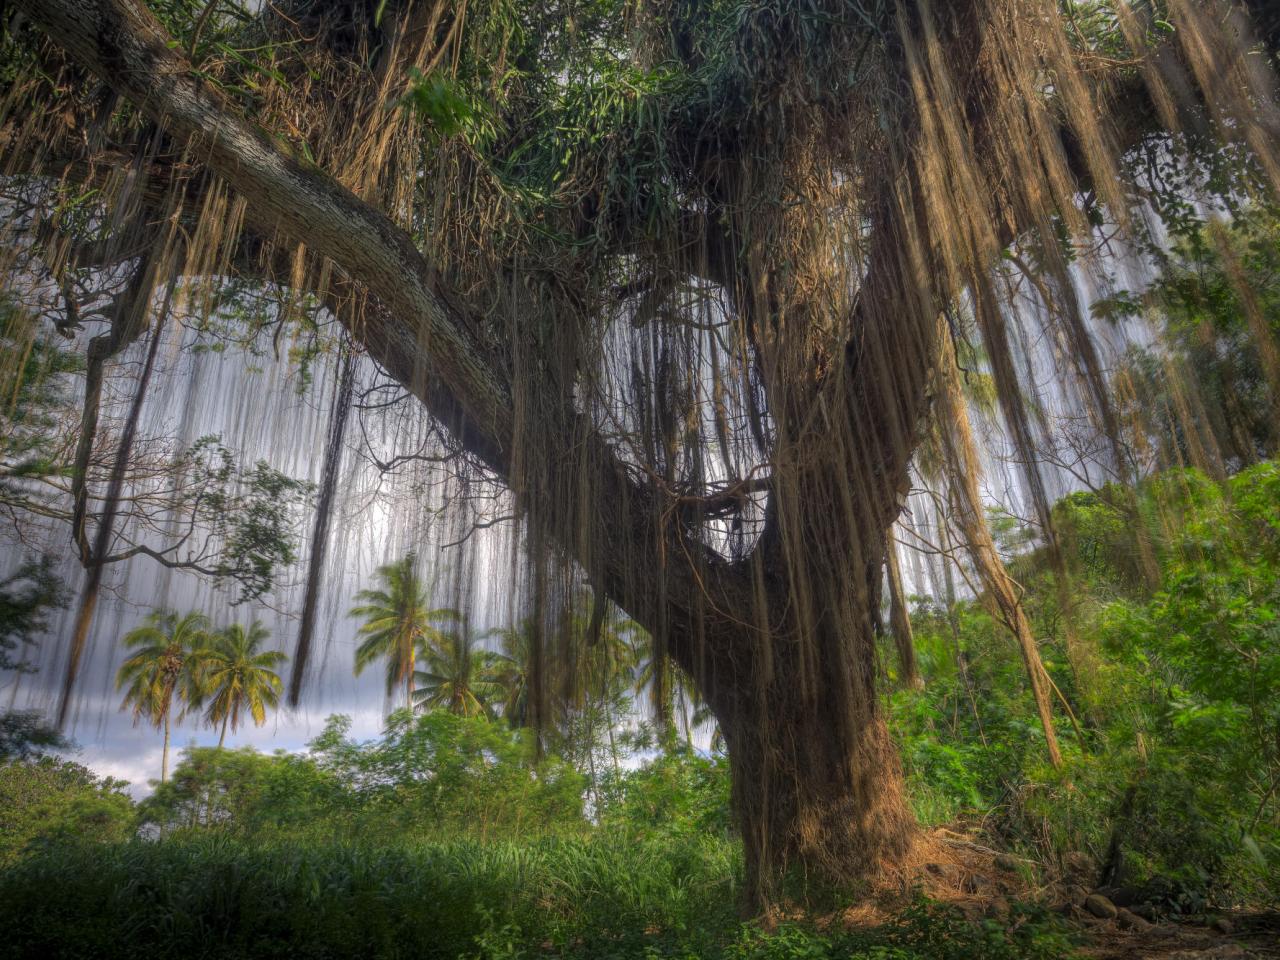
(48, 801)
(211, 894)
(1174, 773)
(679, 792)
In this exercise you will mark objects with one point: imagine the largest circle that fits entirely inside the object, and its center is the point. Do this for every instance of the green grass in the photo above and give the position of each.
(600, 897)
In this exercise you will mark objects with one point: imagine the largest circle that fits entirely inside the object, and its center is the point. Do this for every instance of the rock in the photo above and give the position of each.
(1160, 891)
(975, 883)
(1100, 906)
(945, 871)
(1075, 894)
(1221, 925)
(1006, 862)
(998, 909)
(1071, 896)
(1079, 866)
(971, 910)
(1145, 910)
(1123, 896)
(1128, 920)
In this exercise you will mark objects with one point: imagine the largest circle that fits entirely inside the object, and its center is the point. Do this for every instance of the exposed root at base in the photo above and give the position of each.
(958, 870)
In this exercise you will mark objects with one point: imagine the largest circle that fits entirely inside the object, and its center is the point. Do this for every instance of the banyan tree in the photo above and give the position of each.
(685, 277)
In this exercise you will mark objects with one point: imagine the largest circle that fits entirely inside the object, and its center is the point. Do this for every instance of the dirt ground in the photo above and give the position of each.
(957, 868)
(1253, 935)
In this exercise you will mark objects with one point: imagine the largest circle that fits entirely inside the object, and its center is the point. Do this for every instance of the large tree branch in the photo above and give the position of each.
(410, 327)
(121, 42)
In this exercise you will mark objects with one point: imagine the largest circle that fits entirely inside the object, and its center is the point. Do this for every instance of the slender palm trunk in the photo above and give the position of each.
(164, 757)
(223, 736)
(591, 755)
(408, 685)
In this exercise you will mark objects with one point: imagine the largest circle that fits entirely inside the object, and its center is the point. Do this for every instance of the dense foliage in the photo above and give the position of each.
(1172, 767)
(445, 837)
(47, 803)
(455, 835)
(601, 897)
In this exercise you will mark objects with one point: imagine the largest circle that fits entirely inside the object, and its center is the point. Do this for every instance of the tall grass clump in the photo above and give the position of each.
(215, 895)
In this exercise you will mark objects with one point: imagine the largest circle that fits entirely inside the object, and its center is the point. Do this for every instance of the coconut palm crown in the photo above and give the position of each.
(237, 675)
(399, 623)
(163, 667)
(459, 676)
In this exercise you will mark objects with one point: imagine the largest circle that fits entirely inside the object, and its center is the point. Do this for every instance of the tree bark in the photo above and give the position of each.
(814, 796)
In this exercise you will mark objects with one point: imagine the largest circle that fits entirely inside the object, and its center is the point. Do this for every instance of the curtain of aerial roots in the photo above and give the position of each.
(999, 591)
(154, 236)
(722, 447)
(1042, 176)
(900, 616)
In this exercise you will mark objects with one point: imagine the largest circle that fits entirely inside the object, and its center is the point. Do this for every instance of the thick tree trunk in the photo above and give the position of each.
(817, 781)
(815, 797)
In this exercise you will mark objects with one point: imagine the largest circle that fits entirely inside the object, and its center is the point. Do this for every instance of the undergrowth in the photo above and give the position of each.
(211, 895)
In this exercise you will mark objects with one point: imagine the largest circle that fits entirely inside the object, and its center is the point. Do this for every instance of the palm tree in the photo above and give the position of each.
(398, 623)
(603, 643)
(237, 675)
(667, 686)
(509, 671)
(164, 665)
(612, 651)
(458, 676)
